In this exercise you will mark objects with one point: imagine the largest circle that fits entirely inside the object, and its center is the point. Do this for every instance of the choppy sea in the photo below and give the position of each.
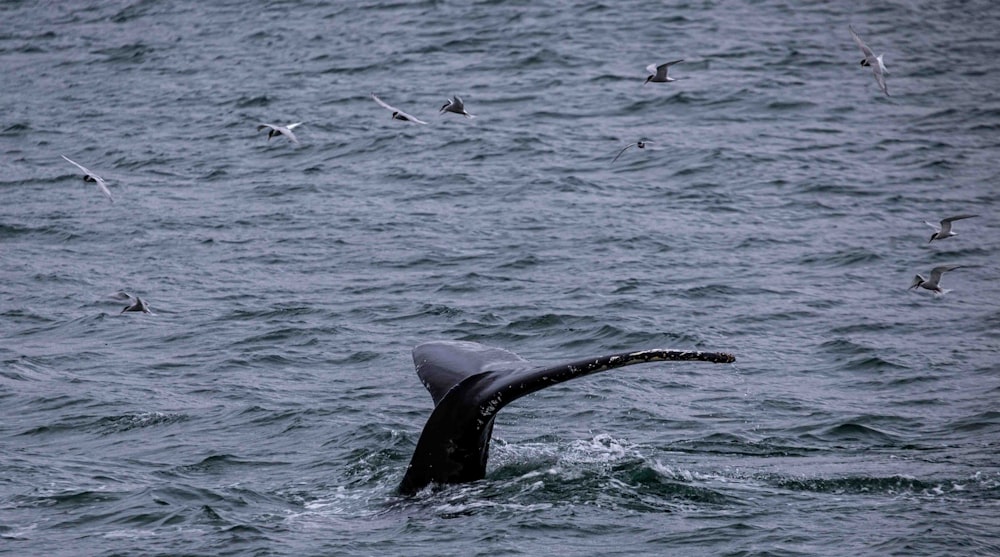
(269, 405)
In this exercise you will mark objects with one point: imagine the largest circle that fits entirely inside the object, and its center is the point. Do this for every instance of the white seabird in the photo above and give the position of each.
(455, 105)
(944, 230)
(91, 177)
(397, 114)
(286, 131)
(932, 283)
(660, 72)
(872, 61)
(640, 144)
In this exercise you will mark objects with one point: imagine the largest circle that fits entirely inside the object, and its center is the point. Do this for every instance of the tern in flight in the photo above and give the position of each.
(640, 144)
(660, 72)
(944, 231)
(397, 114)
(932, 283)
(872, 61)
(456, 105)
(91, 177)
(286, 131)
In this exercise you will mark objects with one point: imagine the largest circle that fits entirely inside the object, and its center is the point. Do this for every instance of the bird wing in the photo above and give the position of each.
(869, 55)
(879, 77)
(620, 152)
(287, 131)
(104, 188)
(652, 68)
(100, 181)
(405, 116)
(263, 125)
(957, 217)
(663, 69)
(934, 226)
(936, 272)
(461, 107)
(383, 104)
(80, 166)
(410, 117)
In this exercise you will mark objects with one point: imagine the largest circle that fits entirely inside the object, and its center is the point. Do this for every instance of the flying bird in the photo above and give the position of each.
(640, 144)
(456, 105)
(660, 72)
(286, 131)
(397, 114)
(932, 283)
(91, 177)
(944, 231)
(872, 61)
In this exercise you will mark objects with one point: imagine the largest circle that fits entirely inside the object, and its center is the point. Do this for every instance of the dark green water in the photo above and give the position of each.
(270, 406)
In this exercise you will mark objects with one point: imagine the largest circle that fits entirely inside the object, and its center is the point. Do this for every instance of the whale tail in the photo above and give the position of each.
(470, 383)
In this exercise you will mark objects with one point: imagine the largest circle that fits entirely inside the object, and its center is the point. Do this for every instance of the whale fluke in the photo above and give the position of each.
(470, 383)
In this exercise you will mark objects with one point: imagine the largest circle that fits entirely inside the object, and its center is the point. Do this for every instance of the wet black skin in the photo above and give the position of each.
(470, 383)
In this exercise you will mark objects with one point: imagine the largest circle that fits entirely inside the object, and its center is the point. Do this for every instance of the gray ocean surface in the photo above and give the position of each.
(269, 405)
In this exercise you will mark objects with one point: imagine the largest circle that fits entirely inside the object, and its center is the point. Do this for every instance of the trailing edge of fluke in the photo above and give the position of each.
(470, 383)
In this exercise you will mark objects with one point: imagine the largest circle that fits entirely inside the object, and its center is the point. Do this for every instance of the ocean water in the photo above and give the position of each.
(269, 404)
